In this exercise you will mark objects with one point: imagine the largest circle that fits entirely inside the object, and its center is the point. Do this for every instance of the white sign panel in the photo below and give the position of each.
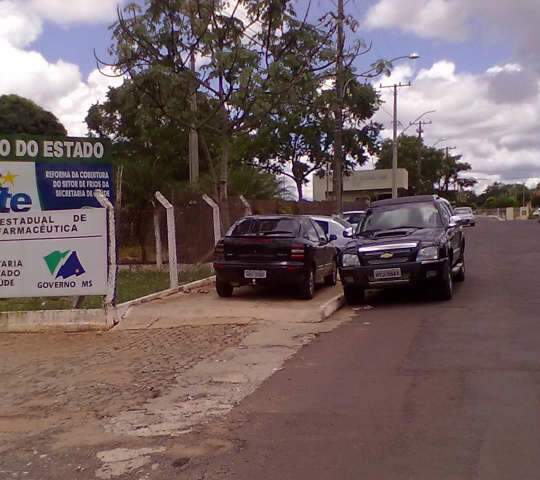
(52, 254)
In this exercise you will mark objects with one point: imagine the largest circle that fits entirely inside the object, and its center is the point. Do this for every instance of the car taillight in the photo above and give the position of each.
(219, 251)
(297, 252)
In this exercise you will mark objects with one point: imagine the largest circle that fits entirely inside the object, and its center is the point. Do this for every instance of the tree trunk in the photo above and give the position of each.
(300, 189)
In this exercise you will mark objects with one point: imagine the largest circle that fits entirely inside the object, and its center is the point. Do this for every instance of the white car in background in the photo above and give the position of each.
(338, 231)
(466, 215)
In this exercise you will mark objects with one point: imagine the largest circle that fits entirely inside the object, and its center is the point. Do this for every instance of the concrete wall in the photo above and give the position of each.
(359, 182)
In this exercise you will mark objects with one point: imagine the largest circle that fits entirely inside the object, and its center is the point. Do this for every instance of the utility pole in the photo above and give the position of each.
(447, 150)
(193, 134)
(337, 180)
(396, 88)
(420, 130)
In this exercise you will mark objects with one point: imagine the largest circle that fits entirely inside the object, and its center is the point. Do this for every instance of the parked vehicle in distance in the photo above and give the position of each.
(466, 214)
(275, 250)
(338, 231)
(409, 241)
(536, 213)
(355, 217)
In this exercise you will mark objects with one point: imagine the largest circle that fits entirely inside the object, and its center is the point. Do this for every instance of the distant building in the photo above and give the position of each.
(361, 184)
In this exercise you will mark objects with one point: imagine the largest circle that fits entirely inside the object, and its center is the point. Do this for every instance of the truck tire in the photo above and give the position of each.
(354, 295)
(445, 291)
(224, 289)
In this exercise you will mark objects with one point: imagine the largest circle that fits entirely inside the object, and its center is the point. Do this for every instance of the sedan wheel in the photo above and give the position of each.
(307, 288)
(331, 279)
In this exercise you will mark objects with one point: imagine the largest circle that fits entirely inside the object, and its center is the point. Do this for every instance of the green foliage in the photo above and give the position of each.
(430, 169)
(297, 139)
(501, 195)
(20, 115)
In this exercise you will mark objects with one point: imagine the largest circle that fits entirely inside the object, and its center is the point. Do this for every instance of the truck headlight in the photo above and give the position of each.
(428, 253)
(350, 260)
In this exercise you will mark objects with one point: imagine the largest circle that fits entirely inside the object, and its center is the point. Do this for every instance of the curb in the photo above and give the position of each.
(81, 320)
(331, 307)
(123, 308)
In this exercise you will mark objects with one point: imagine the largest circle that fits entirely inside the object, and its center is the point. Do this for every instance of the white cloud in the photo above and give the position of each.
(511, 22)
(18, 26)
(425, 18)
(499, 140)
(74, 11)
(59, 86)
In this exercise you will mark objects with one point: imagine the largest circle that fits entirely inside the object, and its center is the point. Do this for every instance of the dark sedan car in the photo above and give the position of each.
(411, 241)
(275, 250)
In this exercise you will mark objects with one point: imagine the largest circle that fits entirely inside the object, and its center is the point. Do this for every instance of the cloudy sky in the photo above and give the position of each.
(479, 68)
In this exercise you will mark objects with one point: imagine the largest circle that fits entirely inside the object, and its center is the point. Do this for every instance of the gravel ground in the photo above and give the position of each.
(52, 386)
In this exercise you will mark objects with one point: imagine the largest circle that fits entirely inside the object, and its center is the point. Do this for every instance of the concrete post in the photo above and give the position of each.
(246, 204)
(157, 236)
(171, 239)
(217, 220)
(110, 298)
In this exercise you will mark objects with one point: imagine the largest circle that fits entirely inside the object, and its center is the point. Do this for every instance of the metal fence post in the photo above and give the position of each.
(246, 204)
(215, 214)
(157, 236)
(171, 239)
(110, 298)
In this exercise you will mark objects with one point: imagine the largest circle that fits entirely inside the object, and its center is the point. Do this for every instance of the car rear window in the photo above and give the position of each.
(276, 227)
(463, 210)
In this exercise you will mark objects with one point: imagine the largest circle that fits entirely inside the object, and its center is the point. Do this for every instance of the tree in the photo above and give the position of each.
(20, 115)
(239, 77)
(297, 140)
(429, 168)
(410, 151)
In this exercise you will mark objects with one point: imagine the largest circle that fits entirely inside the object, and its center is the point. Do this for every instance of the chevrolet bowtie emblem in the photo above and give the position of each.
(387, 255)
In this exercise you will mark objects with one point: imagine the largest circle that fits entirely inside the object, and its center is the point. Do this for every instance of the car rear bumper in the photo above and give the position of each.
(281, 273)
(413, 274)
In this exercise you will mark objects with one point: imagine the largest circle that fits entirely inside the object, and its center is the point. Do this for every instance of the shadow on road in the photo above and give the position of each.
(407, 296)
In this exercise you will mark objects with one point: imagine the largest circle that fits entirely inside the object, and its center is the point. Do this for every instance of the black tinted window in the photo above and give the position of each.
(323, 225)
(287, 227)
(417, 215)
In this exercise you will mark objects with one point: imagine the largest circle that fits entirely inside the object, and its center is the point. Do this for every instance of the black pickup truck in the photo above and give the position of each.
(409, 241)
(283, 250)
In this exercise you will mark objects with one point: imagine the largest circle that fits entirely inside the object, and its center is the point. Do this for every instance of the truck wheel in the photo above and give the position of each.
(331, 279)
(307, 287)
(446, 288)
(224, 289)
(354, 295)
(460, 276)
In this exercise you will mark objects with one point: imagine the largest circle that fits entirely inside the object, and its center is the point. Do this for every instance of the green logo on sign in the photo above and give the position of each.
(64, 264)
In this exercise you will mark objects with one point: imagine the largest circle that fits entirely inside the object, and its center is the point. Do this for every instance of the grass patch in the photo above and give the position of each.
(131, 285)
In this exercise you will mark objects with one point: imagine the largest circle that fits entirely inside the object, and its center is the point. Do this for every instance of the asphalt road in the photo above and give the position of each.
(411, 389)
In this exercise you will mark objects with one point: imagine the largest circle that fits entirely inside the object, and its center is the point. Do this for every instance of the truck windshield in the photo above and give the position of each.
(278, 227)
(412, 215)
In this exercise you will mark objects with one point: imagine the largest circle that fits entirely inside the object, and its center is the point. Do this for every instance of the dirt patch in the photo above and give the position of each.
(58, 389)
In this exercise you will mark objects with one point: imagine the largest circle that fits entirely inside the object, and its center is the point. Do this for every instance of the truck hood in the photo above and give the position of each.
(406, 235)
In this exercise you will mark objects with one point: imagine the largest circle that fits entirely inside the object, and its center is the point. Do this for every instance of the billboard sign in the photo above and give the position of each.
(42, 173)
(55, 253)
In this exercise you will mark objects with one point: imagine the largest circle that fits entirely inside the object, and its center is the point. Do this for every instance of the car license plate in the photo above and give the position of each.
(255, 273)
(387, 274)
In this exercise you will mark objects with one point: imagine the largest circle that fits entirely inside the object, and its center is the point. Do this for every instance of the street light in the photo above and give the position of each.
(395, 87)
(441, 140)
(416, 120)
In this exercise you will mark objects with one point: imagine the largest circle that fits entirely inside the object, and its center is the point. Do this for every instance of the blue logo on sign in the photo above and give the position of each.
(64, 264)
(12, 202)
